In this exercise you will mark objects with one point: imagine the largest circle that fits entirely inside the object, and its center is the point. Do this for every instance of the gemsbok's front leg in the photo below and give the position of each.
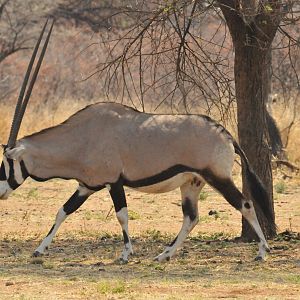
(77, 199)
(189, 194)
(117, 194)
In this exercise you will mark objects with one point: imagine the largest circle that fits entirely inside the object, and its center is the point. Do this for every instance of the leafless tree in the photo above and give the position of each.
(16, 21)
(171, 54)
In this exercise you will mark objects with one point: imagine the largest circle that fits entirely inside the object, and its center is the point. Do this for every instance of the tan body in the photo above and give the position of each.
(111, 145)
(106, 140)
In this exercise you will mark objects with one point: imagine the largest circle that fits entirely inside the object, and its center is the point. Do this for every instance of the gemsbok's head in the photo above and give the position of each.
(12, 170)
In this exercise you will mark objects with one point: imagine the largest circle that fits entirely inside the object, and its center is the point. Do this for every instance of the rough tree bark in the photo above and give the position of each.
(252, 36)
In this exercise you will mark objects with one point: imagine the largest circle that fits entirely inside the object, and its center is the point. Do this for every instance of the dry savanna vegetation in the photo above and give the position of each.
(82, 262)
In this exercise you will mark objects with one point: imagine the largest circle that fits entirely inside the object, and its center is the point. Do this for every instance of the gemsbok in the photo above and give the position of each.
(114, 146)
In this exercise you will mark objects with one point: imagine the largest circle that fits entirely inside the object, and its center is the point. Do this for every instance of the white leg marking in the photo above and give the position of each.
(122, 216)
(250, 216)
(189, 194)
(60, 217)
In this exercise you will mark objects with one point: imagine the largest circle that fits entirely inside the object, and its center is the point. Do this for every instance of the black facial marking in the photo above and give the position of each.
(74, 202)
(24, 171)
(125, 236)
(2, 172)
(118, 195)
(188, 209)
(11, 178)
(247, 205)
(51, 230)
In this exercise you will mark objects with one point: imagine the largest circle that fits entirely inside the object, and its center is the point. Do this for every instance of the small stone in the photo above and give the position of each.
(37, 261)
(212, 212)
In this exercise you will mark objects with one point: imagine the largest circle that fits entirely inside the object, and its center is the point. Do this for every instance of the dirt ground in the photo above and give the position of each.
(82, 260)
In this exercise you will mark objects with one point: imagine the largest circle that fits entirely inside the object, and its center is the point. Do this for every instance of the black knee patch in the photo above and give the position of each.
(118, 195)
(188, 209)
(74, 202)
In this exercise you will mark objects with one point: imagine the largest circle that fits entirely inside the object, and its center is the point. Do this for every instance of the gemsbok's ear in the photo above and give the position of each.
(15, 153)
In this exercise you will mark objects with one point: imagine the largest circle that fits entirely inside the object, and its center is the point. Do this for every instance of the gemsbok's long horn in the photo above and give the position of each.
(22, 102)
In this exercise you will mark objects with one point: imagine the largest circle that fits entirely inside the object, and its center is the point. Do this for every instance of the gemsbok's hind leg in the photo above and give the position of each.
(76, 200)
(189, 195)
(117, 194)
(231, 193)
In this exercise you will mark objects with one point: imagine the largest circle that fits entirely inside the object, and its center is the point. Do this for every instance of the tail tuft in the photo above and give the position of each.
(258, 191)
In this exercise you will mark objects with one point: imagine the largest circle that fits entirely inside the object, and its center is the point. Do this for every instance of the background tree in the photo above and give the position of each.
(253, 25)
(169, 35)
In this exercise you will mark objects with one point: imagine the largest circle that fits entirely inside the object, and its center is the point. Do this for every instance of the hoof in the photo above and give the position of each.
(161, 258)
(122, 261)
(258, 258)
(37, 254)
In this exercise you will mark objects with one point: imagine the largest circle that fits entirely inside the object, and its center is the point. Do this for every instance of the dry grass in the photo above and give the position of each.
(36, 119)
(81, 263)
(284, 115)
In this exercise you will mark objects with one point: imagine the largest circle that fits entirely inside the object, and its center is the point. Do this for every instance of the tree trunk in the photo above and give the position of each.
(251, 85)
(252, 38)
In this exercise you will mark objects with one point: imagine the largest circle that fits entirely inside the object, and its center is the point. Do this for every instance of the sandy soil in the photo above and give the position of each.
(82, 260)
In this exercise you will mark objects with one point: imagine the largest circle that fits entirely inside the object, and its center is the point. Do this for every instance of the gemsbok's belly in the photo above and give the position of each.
(168, 184)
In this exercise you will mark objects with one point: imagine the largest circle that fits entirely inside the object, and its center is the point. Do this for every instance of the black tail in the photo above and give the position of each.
(257, 189)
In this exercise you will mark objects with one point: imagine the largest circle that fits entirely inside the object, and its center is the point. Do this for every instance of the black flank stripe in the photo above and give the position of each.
(164, 175)
(39, 179)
